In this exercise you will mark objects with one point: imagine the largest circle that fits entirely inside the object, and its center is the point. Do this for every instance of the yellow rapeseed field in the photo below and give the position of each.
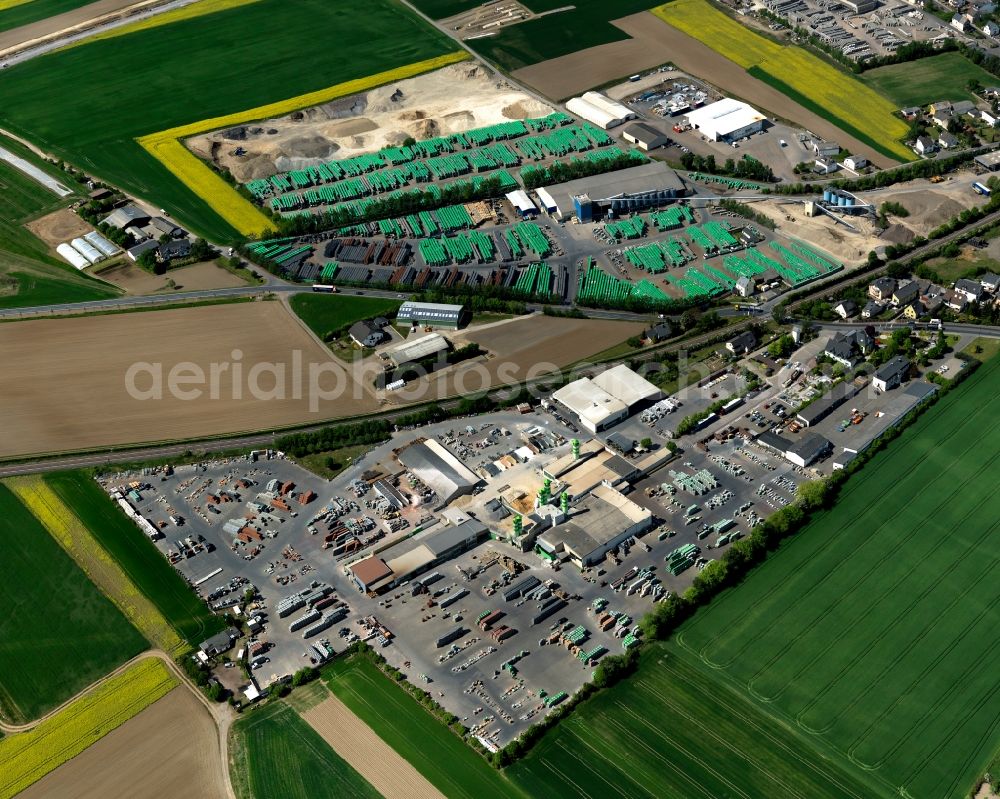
(5, 4)
(75, 538)
(199, 9)
(841, 95)
(28, 756)
(167, 148)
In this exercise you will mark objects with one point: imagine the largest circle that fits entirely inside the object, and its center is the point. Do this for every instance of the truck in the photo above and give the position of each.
(981, 188)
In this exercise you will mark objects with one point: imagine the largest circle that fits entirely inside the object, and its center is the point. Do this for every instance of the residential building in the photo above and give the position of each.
(855, 162)
(991, 29)
(846, 308)
(891, 374)
(825, 149)
(960, 23)
(924, 145)
(178, 248)
(742, 344)
(659, 332)
(947, 141)
(956, 301)
(881, 289)
(823, 166)
(972, 289)
(871, 309)
(746, 286)
(848, 349)
(905, 293)
(366, 334)
(990, 282)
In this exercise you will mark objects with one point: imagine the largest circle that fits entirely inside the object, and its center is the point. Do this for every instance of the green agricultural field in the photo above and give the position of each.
(940, 77)
(70, 103)
(29, 273)
(585, 24)
(58, 633)
(854, 662)
(137, 555)
(397, 718)
(326, 313)
(276, 754)
(15, 13)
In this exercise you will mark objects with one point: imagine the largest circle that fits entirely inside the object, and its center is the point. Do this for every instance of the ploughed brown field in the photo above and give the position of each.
(65, 380)
(653, 43)
(171, 749)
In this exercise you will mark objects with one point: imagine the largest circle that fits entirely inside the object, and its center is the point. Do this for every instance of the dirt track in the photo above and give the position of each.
(653, 43)
(60, 22)
(196, 277)
(368, 754)
(171, 749)
(66, 386)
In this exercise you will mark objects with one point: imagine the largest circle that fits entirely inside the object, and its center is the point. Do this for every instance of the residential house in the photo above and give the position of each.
(746, 286)
(823, 166)
(905, 293)
(846, 308)
(942, 119)
(991, 29)
(972, 289)
(872, 308)
(825, 149)
(924, 145)
(179, 248)
(891, 374)
(658, 333)
(960, 23)
(144, 246)
(855, 162)
(911, 112)
(742, 344)
(984, 116)
(881, 289)
(848, 349)
(947, 141)
(990, 282)
(366, 334)
(913, 311)
(956, 301)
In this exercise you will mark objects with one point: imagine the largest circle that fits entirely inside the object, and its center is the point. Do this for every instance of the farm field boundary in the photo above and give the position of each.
(28, 756)
(80, 544)
(369, 755)
(167, 147)
(59, 633)
(139, 558)
(274, 753)
(447, 762)
(835, 95)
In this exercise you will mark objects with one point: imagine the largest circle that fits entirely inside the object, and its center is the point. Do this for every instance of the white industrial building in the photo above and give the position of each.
(606, 399)
(726, 120)
(522, 203)
(646, 136)
(436, 314)
(415, 349)
(547, 201)
(600, 110)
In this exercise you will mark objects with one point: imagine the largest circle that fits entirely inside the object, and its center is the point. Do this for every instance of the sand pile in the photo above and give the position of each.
(450, 100)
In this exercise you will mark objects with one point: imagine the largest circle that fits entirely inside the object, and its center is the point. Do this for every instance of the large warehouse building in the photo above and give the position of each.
(600, 110)
(437, 468)
(619, 193)
(431, 313)
(726, 120)
(608, 398)
(597, 524)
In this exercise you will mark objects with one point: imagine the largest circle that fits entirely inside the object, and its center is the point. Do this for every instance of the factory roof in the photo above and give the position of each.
(429, 310)
(596, 520)
(520, 200)
(437, 468)
(560, 466)
(370, 570)
(125, 216)
(448, 538)
(644, 133)
(590, 402)
(606, 467)
(415, 349)
(654, 176)
(624, 384)
(725, 116)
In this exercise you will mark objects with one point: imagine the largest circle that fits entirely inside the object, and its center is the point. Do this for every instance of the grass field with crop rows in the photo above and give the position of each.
(28, 756)
(397, 718)
(79, 542)
(853, 663)
(71, 103)
(815, 84)
(58, 633)
(927, 80)
(137, 556)
(276, 754)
